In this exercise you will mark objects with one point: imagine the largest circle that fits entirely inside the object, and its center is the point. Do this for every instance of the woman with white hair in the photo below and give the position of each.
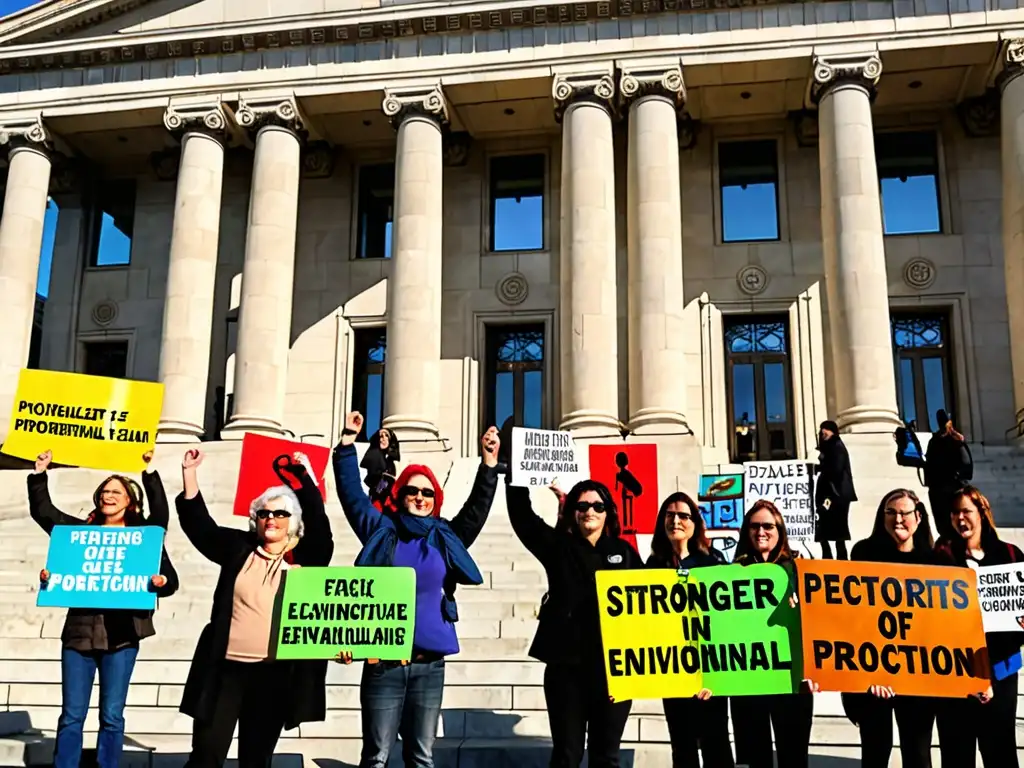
(232, 680)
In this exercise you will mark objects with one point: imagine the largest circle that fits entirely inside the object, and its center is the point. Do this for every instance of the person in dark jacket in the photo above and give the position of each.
(902, 536)
(680, 541)
(380, 462)
(988, 720)
(101, 641)
(833, 493)
(404, 698)
(584, 540)
(232, 680)
(945, 463)
(763, 539)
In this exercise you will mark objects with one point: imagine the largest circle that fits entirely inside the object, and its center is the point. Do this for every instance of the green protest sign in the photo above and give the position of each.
(369, 612)
(743, 628)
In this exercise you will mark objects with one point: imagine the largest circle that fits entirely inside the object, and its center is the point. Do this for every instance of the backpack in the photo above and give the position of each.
(908, 449)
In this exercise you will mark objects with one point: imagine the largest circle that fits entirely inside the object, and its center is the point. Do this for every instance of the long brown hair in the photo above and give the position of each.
(922, 536)
(980, 502)
(745, 547)
(133, 513)
(661, 547)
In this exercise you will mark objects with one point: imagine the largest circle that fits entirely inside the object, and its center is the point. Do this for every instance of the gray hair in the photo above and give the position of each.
(291, 503)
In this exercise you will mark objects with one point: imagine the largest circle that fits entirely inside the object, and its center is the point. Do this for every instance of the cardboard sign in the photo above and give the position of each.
(87, 421)
(1001, 594)
(102, 567)
(539, 457)
(370, 612)
(917, 629)
(631, 474)
(257, 474)
(720, 499)
(788, 485)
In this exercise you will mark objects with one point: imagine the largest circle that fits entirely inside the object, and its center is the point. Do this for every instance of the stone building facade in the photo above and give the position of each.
(711, 223)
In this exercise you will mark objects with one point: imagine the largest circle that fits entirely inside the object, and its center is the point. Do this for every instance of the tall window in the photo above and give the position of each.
(114, 223)
(515, 375)
(908, 172)
(517, 203)
(923, 382)
(370, 351)
(748, 174)
(106, 358)
(376, 210)
(758, 380)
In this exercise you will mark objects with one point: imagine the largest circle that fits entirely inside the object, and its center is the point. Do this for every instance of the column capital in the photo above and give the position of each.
(654, 78)
(25, 130)
(257, 111)
(423, 101)
(1012, 61)
(863, 69)
(597, 86)
(211, 117)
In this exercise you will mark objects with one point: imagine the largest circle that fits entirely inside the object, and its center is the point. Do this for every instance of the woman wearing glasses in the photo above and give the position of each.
(404, 698)
(902, 536)
(680, 541)
(763, 539)
(584, 540)
(232, 680)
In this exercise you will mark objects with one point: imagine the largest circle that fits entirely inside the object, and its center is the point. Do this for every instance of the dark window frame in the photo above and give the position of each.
(90, 345)
(364, 341)
(892, 163)
(367, 245)
(917, 355)
(109, 188)
(771, 173)
(492, 367)
(495, 179)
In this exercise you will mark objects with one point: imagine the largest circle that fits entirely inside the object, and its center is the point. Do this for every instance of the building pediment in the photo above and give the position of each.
(60, 19)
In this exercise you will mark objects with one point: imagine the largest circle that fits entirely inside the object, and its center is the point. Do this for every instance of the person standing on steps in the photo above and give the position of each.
(833, 492)
(404, 698)
(681, 542)
(381, 464)
(101, 641)
(584, 540)
(948, 466)
(232, 680)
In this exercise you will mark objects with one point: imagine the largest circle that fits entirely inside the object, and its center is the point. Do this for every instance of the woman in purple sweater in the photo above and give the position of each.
(405, 697)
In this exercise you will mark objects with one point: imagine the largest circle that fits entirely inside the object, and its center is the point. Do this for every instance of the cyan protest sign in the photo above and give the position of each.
(102, 567)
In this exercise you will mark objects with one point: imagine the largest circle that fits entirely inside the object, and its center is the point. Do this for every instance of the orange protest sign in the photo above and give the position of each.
(914, 628)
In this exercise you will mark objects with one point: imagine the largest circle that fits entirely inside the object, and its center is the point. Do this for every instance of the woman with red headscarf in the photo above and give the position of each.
(404, 698)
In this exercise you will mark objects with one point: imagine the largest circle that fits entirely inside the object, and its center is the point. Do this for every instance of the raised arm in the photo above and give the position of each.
(537, 536)
(471, 518)
(156, 496)
(360, 513)
(213, 542)
(317, 544)
(40, 505)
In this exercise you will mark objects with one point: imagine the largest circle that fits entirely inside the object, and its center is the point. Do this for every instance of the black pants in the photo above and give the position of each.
(692, 722)
(250, 696)
(966, 725)
(755, 717)
(941, 502)
(578, 706)
(826, 551)
(915, 716)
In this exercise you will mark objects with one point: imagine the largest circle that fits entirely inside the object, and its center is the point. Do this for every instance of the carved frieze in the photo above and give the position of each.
(1013, 62)
(597, 86)
(979, 116)
(830, 71)
(428, 101)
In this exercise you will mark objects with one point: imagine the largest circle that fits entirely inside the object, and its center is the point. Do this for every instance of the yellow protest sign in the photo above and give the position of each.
(87, 421)
(649, 651)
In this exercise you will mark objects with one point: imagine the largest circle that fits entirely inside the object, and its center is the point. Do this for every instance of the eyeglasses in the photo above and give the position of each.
(597, 506)
(111, 492)
(680, 515)
(412, 490)
(902, 514)
(762, 526)
(277, 514)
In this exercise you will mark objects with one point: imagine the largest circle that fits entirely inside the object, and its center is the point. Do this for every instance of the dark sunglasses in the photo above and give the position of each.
(412, 490)
(680, 515)
(277, 514)
(597, 506)
(762, 526)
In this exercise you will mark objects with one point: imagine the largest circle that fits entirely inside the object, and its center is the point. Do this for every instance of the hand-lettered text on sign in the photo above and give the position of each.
(541, 457)
(787, 484)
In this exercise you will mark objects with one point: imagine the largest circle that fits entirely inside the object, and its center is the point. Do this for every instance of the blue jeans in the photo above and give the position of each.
(77, 671)
(400, 700)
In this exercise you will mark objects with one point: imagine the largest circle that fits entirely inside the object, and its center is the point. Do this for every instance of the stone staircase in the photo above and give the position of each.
(494, 711)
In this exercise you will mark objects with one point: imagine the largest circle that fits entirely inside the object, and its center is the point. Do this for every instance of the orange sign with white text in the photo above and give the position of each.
(914, 628)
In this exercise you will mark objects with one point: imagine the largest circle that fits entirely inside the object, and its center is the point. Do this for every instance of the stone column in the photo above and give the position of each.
(1011, 85)
(192, 270)
(588, 317)
(853, 246)
(21, 238)
(265, 309)
(657, 380)
(412, 386)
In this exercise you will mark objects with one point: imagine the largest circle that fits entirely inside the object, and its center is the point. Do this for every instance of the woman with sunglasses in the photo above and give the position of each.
(233, 680)
(584, 540)
(763, 539)
(680, 541)
(404, 698)
(902, 536)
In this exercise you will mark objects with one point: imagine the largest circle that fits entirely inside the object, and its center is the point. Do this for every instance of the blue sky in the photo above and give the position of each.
(10, 6)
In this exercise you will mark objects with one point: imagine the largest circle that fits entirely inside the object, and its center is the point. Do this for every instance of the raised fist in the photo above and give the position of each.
(192, 458)
(353, 426)
(158, 581)
(147, 456)
(489, 444)
(43, 461)
(44, 576)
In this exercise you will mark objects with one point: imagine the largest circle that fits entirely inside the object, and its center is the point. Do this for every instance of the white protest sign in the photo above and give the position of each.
(539, 457)
(787, 484)
(1001, 594)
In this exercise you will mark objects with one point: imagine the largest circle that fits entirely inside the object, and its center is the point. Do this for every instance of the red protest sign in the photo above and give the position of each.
(256, 473)
(631, 473)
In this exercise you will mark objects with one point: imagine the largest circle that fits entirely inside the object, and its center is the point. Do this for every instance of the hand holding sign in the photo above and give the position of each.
(43, 461)
(44, 576)
(490, 443)
(353, 426)
(147, 457)
(159, 581)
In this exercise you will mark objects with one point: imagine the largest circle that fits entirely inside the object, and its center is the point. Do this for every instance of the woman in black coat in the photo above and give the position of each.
(381, 464)
(834, 492)
(232, 679)
(584, 540)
